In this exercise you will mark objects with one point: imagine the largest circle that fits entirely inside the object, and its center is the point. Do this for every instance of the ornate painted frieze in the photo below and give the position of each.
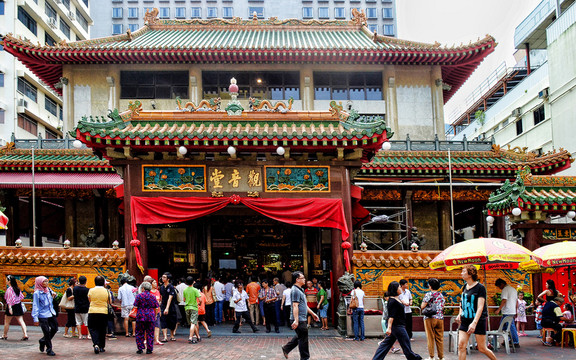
(189, 178)
(297, 178)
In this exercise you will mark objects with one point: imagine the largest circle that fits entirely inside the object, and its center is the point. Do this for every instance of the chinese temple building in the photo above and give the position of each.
(245, 144)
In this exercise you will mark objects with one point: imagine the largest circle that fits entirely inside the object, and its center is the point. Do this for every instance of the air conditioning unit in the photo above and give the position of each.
(71, 15)
(52, 22)
(543, 94)
(23, 103)
(517, 112)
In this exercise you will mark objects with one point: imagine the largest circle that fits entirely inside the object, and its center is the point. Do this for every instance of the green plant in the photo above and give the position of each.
(497, 299)
(480, 116)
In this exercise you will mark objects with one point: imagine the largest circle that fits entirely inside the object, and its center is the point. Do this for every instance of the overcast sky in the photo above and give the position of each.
(461, 21)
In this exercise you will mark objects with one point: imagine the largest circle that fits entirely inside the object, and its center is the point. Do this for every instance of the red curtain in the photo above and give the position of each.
(305, 212)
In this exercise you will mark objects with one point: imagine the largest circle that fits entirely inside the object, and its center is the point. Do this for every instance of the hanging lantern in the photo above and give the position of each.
(516, 211)
(490, 219)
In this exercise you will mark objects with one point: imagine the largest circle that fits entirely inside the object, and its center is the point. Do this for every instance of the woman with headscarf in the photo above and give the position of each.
(98, 314)
(14, 297)
(44, 314)
(147, 309)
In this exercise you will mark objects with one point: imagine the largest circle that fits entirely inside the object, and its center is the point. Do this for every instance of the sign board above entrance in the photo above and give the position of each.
(235, 179)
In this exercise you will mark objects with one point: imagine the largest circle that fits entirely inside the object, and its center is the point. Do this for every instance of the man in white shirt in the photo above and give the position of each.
(508, 304)
(127, 297)
(220, 291)
(406, 300)
(181, 303)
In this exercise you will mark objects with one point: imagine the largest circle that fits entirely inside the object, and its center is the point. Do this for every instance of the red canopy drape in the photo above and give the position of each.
(316, 212)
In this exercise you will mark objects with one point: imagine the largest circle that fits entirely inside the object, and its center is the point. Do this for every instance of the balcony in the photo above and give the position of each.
(532, 30)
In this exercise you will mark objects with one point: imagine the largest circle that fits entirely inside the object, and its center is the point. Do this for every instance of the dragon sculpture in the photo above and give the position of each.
(211, 104)
(265, 105)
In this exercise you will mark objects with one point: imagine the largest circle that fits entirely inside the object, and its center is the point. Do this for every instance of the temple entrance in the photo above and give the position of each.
(237, 240)
(255, 243)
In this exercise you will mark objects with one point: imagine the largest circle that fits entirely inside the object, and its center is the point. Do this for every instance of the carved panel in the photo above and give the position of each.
(297, 178)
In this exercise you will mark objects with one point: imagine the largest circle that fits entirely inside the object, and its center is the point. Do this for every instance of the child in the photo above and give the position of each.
(567, 315)
(521, 314)
(538, 315)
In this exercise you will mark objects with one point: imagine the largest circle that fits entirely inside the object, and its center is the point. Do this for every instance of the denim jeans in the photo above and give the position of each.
(218, 311)
(513, 332)
(358, 323)
(398, 333)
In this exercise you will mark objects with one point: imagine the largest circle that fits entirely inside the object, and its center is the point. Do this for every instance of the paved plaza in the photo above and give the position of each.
(227, 346)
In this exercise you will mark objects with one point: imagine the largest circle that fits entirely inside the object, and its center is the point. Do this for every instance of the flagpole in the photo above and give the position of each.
(451, 197)
(33, 203)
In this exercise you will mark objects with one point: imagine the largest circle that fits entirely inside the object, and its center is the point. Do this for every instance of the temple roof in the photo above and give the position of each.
(551, 194)
(240, 41)
(213, 130)
(51, 160)
(497, 163)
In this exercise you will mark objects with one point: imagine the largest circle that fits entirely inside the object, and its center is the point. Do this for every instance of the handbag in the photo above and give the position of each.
(429, 310)
(23, 308)
(133, 313)
(353, 303)
(65, 303)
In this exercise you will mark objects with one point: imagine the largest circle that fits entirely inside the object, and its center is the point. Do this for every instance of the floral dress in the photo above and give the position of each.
(521, 311)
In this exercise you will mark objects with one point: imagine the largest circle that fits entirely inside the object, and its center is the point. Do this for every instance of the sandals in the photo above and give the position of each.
(24, 338)
(3, 337)
(158, 343)
(172, 339)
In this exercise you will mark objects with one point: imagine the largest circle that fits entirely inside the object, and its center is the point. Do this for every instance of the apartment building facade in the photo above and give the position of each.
(122, 15)
(29, 108)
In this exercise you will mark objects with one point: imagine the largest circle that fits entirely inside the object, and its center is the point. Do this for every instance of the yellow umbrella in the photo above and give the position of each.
(557, 255)
(492, 253)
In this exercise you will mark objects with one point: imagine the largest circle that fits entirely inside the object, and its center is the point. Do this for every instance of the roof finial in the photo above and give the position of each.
(150, 17)
(255, 16)
(359, 17)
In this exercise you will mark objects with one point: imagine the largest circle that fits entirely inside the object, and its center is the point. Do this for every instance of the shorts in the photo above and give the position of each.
(323, 313)
(192, 316)
(81, 318)
(539, 325)
(480, 327)
(126, 311)
(202, 317)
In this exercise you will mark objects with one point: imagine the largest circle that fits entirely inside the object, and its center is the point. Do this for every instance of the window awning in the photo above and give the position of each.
(60, 180)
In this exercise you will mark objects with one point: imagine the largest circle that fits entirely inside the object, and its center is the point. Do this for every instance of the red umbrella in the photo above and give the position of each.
(3, 221)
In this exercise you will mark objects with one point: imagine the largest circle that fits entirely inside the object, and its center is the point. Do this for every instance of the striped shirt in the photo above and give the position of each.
(11, 298)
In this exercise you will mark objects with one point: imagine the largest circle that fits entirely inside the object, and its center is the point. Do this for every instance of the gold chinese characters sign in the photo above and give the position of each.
(234, 179)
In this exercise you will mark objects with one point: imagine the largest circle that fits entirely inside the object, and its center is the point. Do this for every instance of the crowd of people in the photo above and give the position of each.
(152, 313)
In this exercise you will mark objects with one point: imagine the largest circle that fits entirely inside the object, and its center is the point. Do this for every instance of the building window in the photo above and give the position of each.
(2, 111)
(339, 13)
(26, 123)
(27, 89)
(539, 115)
(2, 13)
(65, 28)
(132, 13)
(373, 27)
(117, 13)
(133, 27)
(66, 3)
(307, 13)
(196, 13)
(49, 40)
(1, 79)
(227, 12)
(50, 106)
(50, 135)
(50, 12)
(82, 20)
(154, 85)
(371, 13)
(212, 12)
(323, 13)
(261, 85)
(116, 29)
(27, 20)
(347, 86)
(387, 13)
(389, 30)
(519, 129)
(180, 13)
(259, 10)
(164, 13)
